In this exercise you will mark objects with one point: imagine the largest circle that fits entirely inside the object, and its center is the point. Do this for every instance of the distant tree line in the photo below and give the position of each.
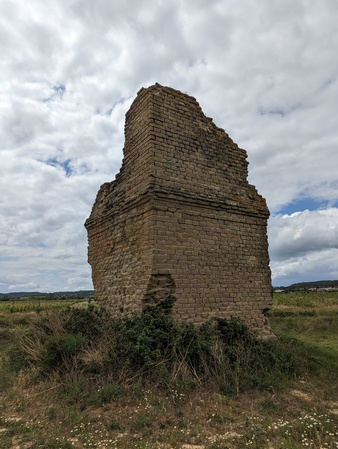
(56, 295)
(309, 286)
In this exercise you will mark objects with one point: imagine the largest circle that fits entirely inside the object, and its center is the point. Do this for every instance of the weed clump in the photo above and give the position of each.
(151, 346)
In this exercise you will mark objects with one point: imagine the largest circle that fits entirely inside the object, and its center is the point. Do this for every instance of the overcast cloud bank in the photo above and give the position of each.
(265, 71)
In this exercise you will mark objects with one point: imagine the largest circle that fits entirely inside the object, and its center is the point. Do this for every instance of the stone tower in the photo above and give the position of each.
(181, 220)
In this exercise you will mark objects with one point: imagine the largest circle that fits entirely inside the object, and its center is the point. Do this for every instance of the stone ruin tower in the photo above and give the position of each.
(181, 220)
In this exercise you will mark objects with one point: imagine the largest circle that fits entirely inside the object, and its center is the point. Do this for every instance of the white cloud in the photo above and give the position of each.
(304, 232)
(265, 71)
(304, 245)
(23, 287)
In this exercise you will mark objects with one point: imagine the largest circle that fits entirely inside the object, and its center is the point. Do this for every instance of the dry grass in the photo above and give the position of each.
(147, 418)
(73, 411)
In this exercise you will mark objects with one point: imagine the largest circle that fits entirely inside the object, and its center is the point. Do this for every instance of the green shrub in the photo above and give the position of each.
(57, 351)
(87, 322)
(193, 344)
(233, 332)
(251, 363)
(143, 340)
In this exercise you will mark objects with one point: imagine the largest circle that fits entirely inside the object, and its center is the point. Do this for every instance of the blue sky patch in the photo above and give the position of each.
(54, 162)
(303, 204)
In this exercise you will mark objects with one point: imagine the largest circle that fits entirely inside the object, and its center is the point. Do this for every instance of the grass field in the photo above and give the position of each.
(319, 300)
(311, 317)
(71, 410)
(36, 305)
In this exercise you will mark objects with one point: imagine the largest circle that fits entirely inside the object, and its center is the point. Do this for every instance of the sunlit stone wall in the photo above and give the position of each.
(181, 220)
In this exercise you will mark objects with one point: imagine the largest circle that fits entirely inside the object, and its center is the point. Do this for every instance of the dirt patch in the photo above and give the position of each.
(301, 395)
(333, 407)
(192, 446)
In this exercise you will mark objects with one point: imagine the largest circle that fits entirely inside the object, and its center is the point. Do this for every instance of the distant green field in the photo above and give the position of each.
(306, 299)
(312, 318)
(37, 305)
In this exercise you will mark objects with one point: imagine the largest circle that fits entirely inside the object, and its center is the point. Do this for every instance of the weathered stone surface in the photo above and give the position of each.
(181, 219)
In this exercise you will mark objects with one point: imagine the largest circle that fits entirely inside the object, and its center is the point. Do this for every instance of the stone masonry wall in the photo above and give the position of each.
(180, 220)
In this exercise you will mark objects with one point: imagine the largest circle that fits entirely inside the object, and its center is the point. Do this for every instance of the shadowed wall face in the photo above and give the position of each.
(181, 220)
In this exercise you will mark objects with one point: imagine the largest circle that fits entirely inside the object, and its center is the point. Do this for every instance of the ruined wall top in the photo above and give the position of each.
(171, 146)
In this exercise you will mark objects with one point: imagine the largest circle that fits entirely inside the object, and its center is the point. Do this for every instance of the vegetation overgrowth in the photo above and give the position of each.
(152, 347)
(145, 381)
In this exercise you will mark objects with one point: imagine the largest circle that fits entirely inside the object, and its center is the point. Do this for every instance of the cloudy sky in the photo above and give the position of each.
(265, 70)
